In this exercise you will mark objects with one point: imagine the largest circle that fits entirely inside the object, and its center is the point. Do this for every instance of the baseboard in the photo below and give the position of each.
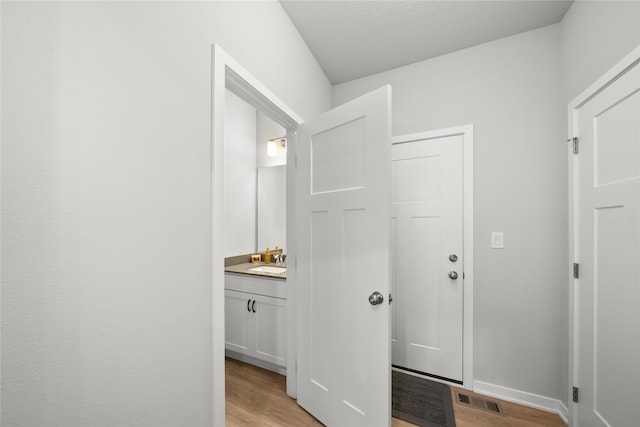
(257, 362)
(523, 398)
(563, 411)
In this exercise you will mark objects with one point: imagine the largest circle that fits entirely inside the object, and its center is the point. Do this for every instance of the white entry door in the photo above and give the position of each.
(607, 232)
(427, 266)
(342, 274)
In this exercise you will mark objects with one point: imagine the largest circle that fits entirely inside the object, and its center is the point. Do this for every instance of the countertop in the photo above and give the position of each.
(244, 268)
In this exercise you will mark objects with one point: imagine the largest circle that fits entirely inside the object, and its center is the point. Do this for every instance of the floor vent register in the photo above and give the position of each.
(481, 404)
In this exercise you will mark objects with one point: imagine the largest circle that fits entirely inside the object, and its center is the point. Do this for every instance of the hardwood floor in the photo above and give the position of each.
(514, 415)
(257, 397)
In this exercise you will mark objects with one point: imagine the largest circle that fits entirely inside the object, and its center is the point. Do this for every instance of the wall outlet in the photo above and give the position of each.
(497, 240)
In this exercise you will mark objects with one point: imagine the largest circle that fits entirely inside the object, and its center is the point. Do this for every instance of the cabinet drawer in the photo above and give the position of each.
(267, 286)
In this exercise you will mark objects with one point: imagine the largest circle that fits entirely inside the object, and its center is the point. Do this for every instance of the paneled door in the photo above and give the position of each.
(427, 254)
(607, 236)
(342, 275)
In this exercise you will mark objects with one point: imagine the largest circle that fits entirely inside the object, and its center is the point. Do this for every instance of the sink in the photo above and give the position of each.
(269, 269)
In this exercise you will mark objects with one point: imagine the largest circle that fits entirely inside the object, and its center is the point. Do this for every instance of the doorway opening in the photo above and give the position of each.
(229, 75)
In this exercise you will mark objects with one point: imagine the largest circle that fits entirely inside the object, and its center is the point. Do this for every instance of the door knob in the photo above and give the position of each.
(453, 275)
(376, 298)
(453, 257)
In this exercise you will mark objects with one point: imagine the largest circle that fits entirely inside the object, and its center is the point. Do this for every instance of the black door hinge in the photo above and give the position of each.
(575, 394)
(574, 142)
(576, 270)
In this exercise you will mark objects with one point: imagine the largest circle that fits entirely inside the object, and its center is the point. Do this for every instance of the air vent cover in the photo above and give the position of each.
(479, 403)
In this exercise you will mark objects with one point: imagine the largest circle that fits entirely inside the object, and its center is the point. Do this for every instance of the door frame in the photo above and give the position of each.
(466, 132)
(227, 73)
(628, 62)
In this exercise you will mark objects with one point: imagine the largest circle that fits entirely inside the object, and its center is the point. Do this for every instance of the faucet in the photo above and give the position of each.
(279, 258)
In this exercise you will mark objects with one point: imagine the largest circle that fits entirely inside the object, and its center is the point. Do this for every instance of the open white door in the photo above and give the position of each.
(342, 277)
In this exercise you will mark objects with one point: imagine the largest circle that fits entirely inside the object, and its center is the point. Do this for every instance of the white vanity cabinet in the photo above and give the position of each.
(255, 315)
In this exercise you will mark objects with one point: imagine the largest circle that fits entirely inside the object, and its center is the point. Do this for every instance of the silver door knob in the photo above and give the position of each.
(453, 257)
(376, 298)
(453, 275)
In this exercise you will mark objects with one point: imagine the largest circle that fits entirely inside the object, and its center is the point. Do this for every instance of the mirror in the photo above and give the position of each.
(272, 207)
(255, 183)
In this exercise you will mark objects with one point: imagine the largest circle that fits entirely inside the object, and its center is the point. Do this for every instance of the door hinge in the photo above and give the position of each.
(575, 394)
(574, 142)
(390, 299)
(576, 270)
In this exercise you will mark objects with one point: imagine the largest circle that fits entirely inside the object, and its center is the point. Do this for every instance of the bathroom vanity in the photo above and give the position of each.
(255, 315)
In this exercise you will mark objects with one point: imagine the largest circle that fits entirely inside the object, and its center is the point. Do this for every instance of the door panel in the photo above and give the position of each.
(608, 235)
(342, 243)
(617, 159)
(332, 172)
(427, 216)
(237, 321)
(269, 321)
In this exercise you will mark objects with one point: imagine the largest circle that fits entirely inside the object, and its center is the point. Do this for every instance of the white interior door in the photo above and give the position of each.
(342, 244)
(607, 227)
(427, 261)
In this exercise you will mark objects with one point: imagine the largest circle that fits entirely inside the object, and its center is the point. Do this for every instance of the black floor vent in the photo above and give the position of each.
(493, 406)
(481, 404)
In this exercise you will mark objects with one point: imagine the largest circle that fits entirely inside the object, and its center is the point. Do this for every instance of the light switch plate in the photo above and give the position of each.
(497, 240)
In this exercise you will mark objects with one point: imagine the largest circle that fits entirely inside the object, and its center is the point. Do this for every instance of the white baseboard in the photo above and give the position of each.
(523, 398)
(256, 362)
(563, 411)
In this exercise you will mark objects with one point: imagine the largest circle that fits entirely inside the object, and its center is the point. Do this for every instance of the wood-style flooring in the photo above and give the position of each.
(257, 397)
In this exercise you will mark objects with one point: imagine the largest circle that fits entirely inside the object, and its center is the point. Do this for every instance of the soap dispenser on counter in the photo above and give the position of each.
(267, 257)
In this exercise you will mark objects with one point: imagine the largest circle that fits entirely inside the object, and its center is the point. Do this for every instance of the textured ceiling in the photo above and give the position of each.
(353, 39)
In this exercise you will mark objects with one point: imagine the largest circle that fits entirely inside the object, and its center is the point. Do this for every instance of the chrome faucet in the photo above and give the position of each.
(279, 258)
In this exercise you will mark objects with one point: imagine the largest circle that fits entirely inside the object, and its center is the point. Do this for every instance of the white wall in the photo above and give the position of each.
(240, 177)
(105, 200)
(510, 91)
(595, 36)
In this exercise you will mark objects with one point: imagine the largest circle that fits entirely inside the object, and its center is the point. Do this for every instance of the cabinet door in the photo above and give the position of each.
(270, 329)
(237, 319)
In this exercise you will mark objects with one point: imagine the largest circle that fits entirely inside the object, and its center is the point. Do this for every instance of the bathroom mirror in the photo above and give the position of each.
(272, 207)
